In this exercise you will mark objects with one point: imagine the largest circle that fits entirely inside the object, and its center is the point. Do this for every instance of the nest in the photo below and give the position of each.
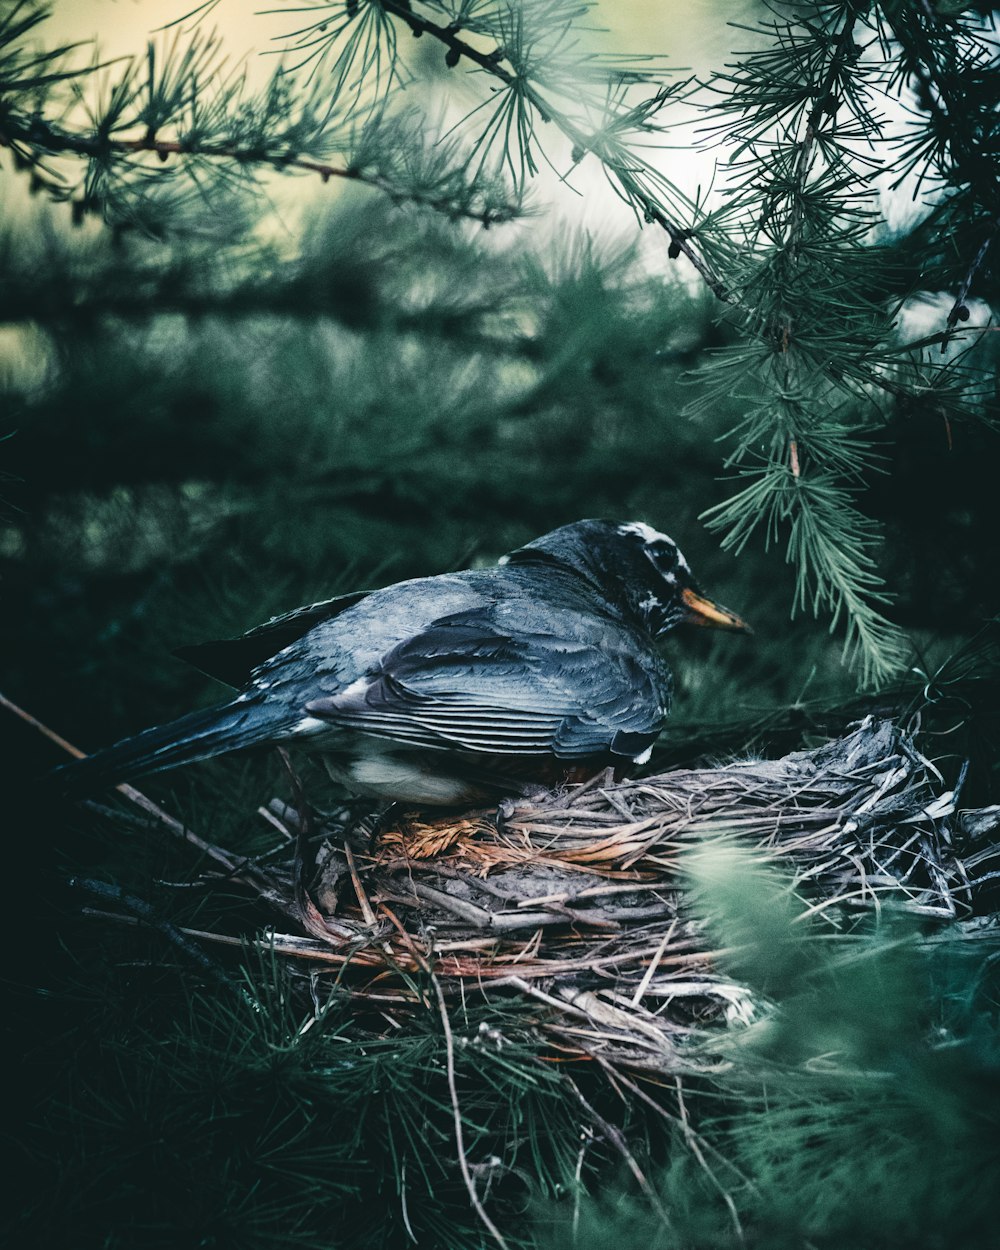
(579, 899)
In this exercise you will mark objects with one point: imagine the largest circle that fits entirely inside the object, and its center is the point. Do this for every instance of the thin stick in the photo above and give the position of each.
(643, 985)
(402, 1199)
(359, 890)
(289, 944)
(231, 862)
(147, 915)
(615, 1137)
(238, 867)
(457, 1112)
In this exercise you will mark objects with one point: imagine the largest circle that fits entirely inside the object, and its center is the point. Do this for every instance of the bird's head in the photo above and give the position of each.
(636, 568)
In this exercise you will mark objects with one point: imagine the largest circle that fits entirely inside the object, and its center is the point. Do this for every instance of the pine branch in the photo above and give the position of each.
(959, 311)
(681, 239)
(180, 103)
(844, 53)
(946, 60)
(29, 141)
(176, 936)
(954, 64)
(798, 203)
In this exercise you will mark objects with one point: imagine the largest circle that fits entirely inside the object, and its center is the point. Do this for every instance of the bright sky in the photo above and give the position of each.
(694, 33)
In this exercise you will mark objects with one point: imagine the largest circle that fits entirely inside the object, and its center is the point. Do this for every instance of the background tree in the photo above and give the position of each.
(210, 417)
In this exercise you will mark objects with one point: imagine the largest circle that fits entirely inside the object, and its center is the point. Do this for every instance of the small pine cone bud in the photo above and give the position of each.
(351, 8)
(674, 250)
(962, 313)
(452, 57)
(163, 154)
(79, 211)
(577, 154)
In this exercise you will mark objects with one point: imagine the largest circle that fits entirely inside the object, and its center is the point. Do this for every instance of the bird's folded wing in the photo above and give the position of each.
(466, 687)
(232, 660)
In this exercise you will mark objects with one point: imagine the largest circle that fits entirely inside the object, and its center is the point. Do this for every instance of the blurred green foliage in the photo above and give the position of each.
(209, 435)
(861, 1111)
(424, 406)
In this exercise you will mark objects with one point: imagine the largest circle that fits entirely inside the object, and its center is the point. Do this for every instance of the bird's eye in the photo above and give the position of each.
(664, 557)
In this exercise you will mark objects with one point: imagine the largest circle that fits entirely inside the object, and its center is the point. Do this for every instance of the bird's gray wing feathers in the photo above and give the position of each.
(469, 685)
(232, 660)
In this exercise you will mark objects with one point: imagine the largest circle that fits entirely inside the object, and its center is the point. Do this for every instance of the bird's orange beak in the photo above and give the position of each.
(703, 611)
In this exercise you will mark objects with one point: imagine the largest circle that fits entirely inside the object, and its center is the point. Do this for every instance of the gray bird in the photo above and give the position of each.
(452, 689)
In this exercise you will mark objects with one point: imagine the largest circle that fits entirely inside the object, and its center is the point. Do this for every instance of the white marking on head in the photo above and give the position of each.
(644, 531)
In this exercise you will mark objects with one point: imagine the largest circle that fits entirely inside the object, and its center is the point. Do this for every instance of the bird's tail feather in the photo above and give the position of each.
(197, 736)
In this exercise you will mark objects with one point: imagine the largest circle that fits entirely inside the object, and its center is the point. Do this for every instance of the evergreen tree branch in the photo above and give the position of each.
(682, 241)
(803, 217)
(955, 67)
(959, 311)
(948, 63)
(30, 141)
(845, 52)
(180, 102)
(174, 935)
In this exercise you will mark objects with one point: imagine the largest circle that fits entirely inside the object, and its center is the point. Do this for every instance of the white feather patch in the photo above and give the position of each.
(403, 781)
(355, 689)
(644, 531)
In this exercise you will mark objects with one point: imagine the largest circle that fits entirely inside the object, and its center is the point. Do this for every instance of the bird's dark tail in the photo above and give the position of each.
(197, 736)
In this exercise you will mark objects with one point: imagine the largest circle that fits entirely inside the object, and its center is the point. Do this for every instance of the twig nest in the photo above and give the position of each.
(580, 898)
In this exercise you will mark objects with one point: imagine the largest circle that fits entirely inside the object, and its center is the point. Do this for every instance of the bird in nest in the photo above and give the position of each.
(452, 689)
